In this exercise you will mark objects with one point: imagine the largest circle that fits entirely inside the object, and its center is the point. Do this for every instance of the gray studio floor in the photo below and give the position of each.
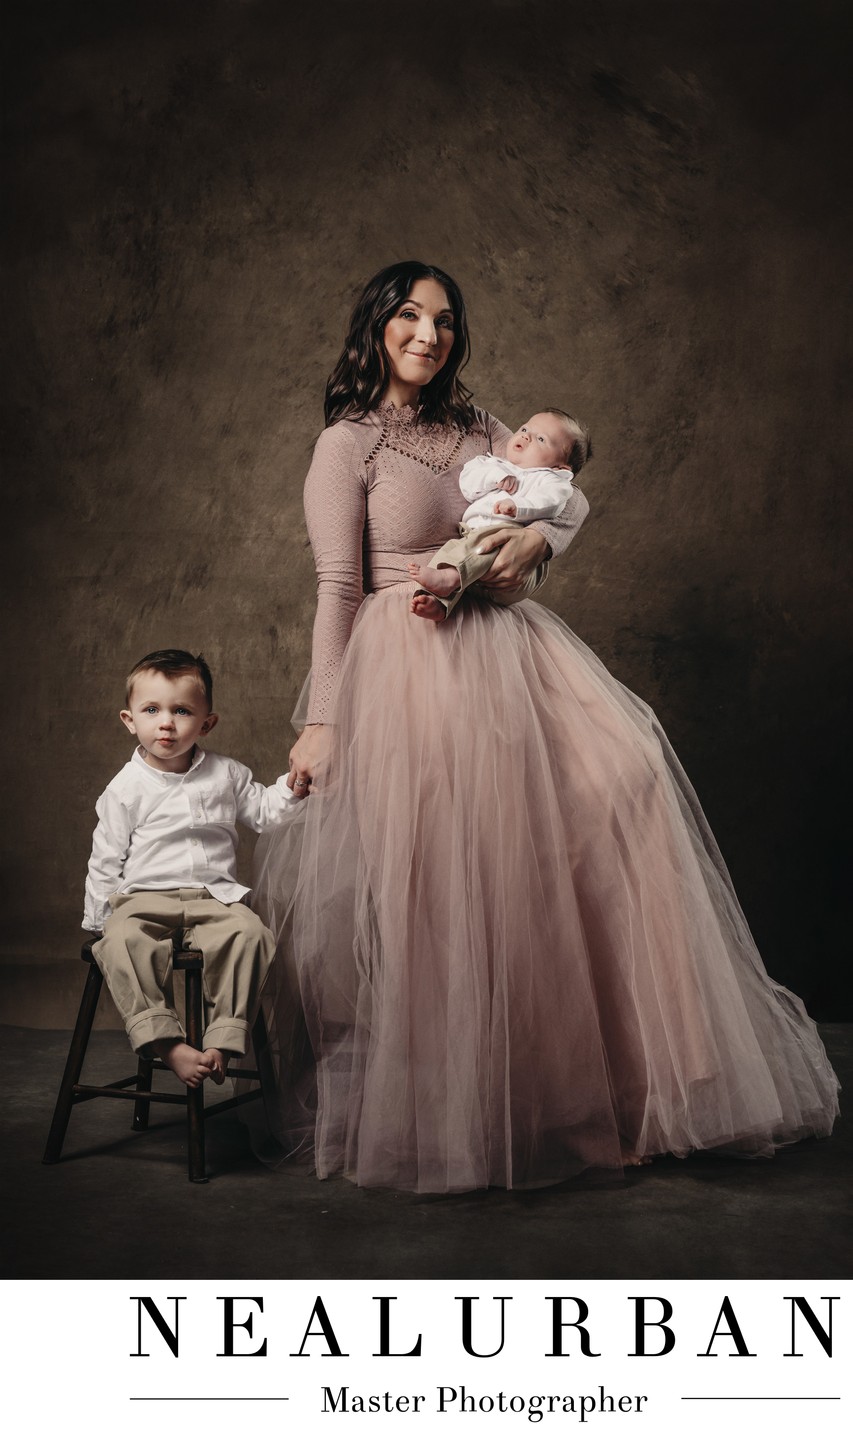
(119, 1205)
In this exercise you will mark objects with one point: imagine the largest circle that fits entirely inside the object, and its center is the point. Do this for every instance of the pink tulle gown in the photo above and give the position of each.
(514, 941)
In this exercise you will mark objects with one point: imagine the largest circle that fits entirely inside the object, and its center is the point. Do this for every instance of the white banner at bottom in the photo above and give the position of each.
(451, 1356)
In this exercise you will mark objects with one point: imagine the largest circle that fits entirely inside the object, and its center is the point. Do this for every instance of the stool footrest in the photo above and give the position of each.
(87, 1093)
(112, 1087)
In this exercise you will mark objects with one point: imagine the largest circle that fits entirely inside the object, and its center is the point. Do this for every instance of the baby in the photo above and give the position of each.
(164, 859)
(542, 458)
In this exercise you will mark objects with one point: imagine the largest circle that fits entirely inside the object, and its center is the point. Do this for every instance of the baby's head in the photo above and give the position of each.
(551, 439)
(169, 706)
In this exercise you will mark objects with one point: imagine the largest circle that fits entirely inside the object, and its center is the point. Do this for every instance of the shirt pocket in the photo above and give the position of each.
(218, 809)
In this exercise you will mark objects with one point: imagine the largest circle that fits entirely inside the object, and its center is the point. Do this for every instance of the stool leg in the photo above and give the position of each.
(142, 1109)
(263, 1064)
(195, 1098)
(260, 1040)
(74, 1065)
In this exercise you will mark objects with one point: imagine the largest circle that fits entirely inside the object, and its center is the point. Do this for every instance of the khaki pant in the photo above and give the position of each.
(460, 553)
(135, 956)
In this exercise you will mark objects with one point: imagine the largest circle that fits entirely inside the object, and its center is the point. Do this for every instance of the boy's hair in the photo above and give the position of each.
(173, 663)
(579, 451)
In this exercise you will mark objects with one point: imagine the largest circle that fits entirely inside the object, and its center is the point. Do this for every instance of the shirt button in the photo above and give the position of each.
(195, 841)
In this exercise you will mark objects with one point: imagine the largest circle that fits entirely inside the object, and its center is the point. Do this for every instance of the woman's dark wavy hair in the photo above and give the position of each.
(360, 377)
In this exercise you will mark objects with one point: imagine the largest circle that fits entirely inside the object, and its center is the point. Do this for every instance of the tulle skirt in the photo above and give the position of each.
(509, 947)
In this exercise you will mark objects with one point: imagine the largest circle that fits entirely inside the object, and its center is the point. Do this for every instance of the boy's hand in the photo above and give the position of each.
(509, 484)
(506, 507)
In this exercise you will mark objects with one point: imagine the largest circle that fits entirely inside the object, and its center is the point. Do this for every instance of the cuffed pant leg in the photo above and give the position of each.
(533, 581)
(461, 554)
(446, 557)
(135, 956)
(238, 952)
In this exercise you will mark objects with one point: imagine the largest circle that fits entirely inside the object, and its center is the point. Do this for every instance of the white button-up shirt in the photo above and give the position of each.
(160, 830)
(541, 492)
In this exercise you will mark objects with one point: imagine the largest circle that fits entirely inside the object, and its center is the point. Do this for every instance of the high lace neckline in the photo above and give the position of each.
(392, 415)
(402, 431)
(408, 422)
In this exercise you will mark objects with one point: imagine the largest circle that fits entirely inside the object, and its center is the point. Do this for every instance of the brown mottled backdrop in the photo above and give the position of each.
(645, 206)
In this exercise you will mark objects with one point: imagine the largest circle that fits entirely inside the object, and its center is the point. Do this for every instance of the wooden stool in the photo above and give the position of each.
(138, 1088)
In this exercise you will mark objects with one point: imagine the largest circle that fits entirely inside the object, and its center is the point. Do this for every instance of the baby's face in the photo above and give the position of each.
(540, 443)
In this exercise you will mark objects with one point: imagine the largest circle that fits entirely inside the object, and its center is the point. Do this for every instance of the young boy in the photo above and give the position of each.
(542, 458)
(164, 857)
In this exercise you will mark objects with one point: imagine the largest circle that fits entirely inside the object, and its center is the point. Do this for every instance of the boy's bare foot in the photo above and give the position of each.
(218, 1062)
(192, 1067)
(441, 581)
(425, 606)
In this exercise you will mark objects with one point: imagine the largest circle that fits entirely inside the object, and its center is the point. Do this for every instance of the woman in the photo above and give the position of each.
(517, 947)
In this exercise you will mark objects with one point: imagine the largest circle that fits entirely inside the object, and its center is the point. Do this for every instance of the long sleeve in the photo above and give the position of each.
(496, 432)
(543, 495)
(110, 845)
(557, 532)
(260, 807)
(479, 476)
(335, 508)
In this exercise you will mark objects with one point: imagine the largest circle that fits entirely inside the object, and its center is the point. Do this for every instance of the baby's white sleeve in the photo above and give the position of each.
(544, 494)
(480, 475)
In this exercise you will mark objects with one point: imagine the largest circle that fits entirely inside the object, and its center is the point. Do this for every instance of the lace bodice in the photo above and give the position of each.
(433, 445)
(382, 491)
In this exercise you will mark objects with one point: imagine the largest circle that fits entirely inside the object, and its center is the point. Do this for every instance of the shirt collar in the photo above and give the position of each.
(198, 758)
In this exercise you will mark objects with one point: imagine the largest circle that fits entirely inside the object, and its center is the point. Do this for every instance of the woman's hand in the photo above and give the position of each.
(521, 550)
(306, 756)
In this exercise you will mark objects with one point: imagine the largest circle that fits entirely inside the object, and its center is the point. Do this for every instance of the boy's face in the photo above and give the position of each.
(540, 443)
(168, 716)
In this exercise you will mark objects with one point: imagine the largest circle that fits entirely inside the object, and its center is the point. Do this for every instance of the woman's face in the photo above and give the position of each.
(418, 340)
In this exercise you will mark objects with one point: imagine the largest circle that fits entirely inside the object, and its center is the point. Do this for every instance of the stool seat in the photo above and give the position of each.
(138, 1088)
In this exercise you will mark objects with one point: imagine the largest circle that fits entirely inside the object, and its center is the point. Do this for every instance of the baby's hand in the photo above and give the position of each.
(506, 507)
(509, 484)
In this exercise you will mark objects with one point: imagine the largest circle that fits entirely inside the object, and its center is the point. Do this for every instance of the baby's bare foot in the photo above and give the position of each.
(425, 606)
(189, 1065)
(218, 1062)
(441, 581)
